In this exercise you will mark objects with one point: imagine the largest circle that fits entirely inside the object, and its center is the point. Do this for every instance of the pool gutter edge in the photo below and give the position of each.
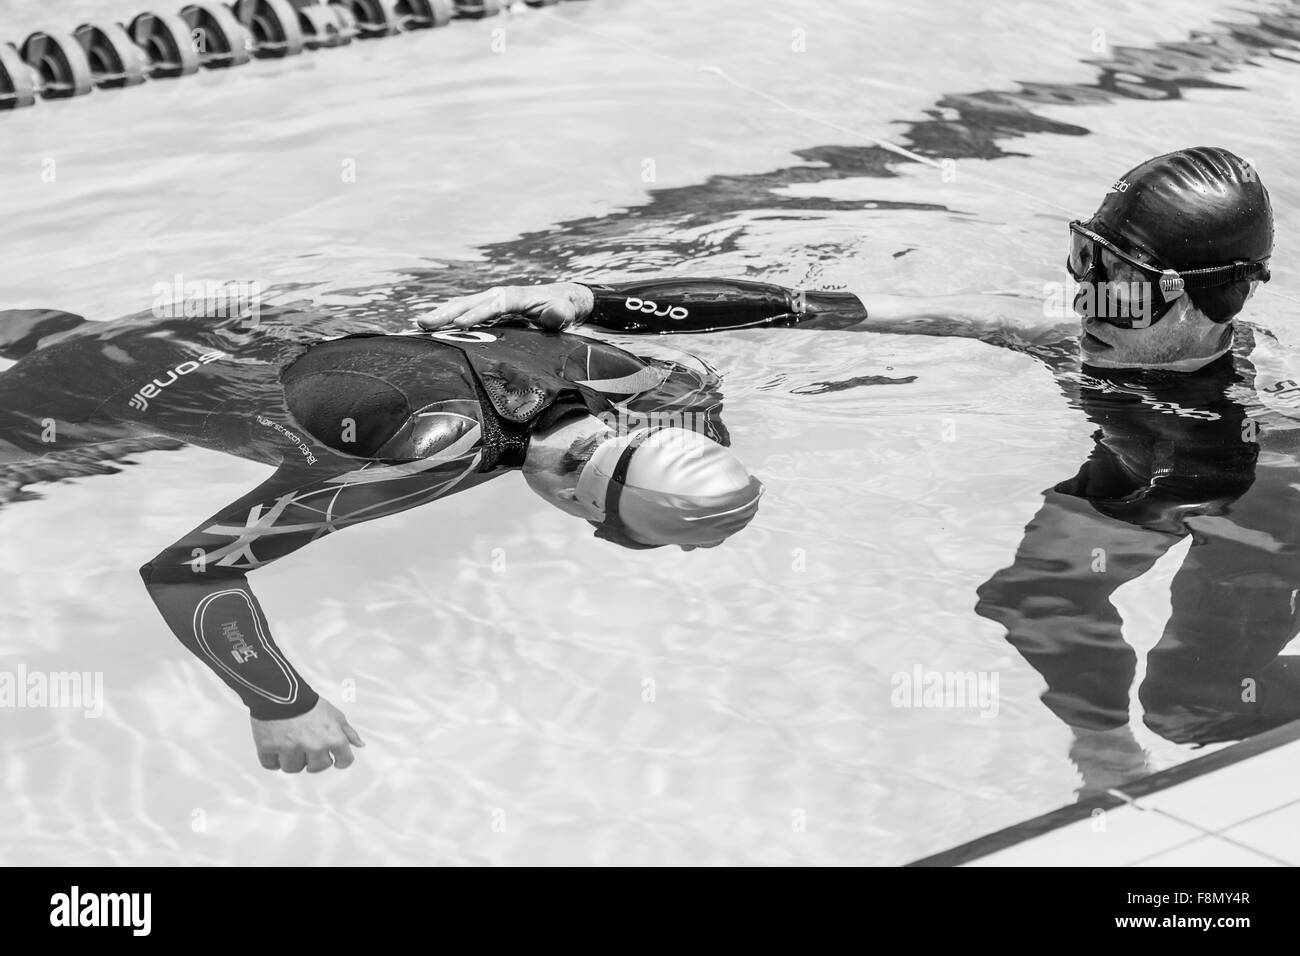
(1117, 797)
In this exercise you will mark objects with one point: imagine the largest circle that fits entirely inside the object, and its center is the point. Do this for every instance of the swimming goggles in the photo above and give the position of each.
(1084, 265)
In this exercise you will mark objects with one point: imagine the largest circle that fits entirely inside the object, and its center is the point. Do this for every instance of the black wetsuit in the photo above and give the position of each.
(357, 428)
(1175, 454)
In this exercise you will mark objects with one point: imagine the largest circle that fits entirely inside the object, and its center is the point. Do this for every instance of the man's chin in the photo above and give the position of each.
(1097, 351)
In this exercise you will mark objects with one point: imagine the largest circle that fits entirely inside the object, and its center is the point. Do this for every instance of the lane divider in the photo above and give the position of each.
(211, 35)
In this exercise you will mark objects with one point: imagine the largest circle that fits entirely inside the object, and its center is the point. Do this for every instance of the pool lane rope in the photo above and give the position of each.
(211, 35)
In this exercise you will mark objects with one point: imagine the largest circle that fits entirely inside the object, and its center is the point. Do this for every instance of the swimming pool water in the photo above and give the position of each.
(494, 656)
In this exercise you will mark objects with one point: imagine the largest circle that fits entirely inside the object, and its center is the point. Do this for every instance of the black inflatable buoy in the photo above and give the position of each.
(115, 60)
(60, 63)
(478, 8)
(541, 3)
(167, 44)
(423, 14)
(220, 39)
(17, 82)
(274, 25)
(375, 18)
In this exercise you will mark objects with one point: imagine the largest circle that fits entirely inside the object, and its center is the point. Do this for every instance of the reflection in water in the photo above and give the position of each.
(977, 125)
(1175, 455)
(820, 388)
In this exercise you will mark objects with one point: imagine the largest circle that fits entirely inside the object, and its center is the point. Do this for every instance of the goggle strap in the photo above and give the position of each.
(1174, 283)
(1222, 275)
(614, 490)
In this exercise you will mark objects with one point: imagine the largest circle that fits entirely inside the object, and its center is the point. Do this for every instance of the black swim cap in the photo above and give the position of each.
(1193, 209)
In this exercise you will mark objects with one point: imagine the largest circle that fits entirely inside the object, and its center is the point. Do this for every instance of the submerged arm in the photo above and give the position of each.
(200, 586)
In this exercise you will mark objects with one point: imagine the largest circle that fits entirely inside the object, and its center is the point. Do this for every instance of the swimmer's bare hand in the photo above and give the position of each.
(560, 305)
(313, 741)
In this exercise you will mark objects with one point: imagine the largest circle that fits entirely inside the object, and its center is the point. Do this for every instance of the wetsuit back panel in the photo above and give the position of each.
(356, 394)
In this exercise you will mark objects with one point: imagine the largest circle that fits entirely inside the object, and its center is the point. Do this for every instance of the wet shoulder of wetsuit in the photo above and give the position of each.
(710, 305)
(398, 398)
(681, 391)
(599, 378)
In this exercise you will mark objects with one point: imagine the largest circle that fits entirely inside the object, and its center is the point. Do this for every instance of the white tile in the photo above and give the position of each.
(1248, 788)
(1208, 851)
(1120, 837)
(1276, 833)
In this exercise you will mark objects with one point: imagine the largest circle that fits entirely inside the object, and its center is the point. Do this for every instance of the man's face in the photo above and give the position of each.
(1182, 335)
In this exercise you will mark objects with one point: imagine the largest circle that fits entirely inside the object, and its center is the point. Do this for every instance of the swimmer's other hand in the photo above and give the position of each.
(312, 741)
(560, 305)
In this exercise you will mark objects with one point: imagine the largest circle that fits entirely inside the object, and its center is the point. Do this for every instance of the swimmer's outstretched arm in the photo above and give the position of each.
(200, 587)
(710, 305)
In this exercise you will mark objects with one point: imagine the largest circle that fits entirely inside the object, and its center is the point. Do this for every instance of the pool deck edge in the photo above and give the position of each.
(1117, 797)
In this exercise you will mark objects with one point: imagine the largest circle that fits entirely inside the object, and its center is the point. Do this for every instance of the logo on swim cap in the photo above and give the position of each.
(1121, 186)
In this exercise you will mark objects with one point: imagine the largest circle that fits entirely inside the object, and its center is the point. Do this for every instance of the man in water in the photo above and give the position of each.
(357, 427)
(1187, 443)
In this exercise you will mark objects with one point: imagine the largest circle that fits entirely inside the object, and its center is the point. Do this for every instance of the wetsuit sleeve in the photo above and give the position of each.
(199, 585)
(712, 305)
(200, 582)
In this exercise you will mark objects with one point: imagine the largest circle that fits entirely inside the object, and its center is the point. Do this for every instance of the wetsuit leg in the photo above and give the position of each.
(47, 431)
